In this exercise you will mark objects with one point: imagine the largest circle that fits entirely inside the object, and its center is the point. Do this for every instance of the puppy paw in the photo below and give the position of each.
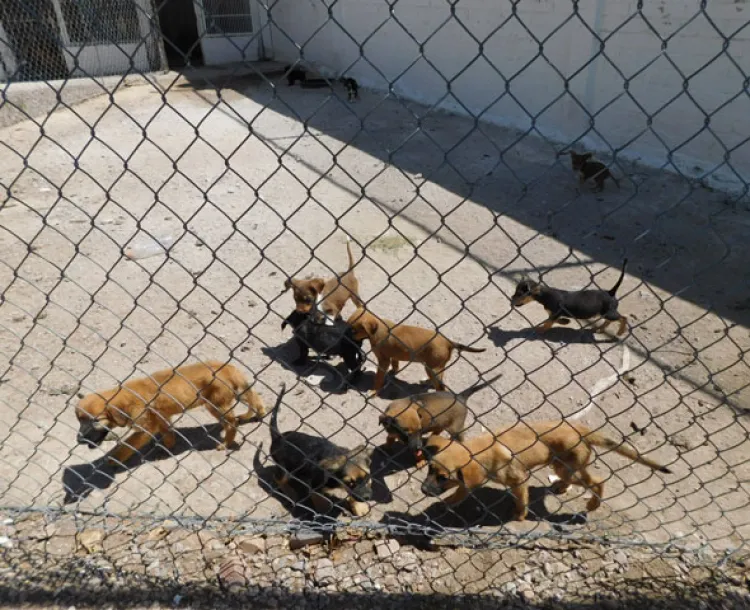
(359, 509)
(559, 487)
(593, 504)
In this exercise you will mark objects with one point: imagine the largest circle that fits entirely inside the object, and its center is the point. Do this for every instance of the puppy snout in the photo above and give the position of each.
(430, 488)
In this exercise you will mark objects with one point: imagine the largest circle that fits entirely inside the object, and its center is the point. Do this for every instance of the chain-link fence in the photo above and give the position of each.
(431, 148)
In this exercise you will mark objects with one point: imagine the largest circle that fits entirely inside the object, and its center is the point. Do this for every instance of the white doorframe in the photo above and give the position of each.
(102, 59)
(231, 48)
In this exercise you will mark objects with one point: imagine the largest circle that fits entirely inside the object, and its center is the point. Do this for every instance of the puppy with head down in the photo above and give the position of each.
(509, 455)
(326, 298)
(320, 466)
(147, 405)
(407, 420)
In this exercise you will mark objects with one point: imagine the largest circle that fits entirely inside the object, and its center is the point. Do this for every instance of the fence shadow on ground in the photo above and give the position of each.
(680, 237)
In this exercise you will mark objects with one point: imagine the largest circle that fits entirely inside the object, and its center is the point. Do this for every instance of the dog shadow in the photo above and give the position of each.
(80, 480)
(556, 334)
(300, 508)
(387, 460)
(486, 506)
(336, 379)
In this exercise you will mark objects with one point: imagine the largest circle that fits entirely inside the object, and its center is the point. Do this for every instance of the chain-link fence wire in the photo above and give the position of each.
(235, 181)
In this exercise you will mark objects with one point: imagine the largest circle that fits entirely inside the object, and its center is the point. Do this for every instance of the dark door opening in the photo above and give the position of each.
(179, 26)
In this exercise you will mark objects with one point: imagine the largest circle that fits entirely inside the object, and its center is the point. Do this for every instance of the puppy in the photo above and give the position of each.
(588, 169)
(335, 340)
(406, 420)
(393, 343)
(320, 466)
(294, 74)
(327, 296)
(352, 88)
(509, 455)
(564, 304)
(146, 404)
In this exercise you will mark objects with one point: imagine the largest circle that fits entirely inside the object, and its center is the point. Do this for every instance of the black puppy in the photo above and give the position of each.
(352, 88)
(588, 169)
(318, 466)
(336, 339)
(294, 75)
(564, 304)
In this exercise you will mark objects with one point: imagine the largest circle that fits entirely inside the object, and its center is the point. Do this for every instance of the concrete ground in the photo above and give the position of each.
(258, 185)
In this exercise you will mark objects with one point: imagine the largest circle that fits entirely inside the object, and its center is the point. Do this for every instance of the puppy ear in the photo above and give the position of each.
(460, 476)
(333, 464)
(317, 285)
(372, 325)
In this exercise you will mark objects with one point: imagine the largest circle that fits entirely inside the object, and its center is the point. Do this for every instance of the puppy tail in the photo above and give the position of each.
(355, 297)
(465, 348)
(479, 386)
(275, 434)
(623, 448)
(614, 288)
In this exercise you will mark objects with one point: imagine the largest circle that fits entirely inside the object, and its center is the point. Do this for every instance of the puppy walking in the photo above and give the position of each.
(147, 405)
(509, 455)
(561, 305)
(393, 343)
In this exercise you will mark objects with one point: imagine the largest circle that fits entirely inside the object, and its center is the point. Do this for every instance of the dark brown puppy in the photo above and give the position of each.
(587, 169)
(147, 404)
(509, 455)
(407, 420)
(579, 304)
(319, 466)
(393, 343)
(327, 296)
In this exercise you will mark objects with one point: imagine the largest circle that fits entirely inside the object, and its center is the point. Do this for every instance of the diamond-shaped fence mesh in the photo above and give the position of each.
(152, 219)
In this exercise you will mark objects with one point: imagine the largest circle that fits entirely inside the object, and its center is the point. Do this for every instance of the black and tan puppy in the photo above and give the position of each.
(509, 455)
(318, 466)
(148, 404)
(336, 339)
(580, 304)
(352, 88)
(587, 169)
(407, 420)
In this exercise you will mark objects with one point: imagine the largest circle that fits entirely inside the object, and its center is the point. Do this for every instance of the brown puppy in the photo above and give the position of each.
(508, 456)
(329, 296)
(146, 404)
(588, 169)
(408, 419)
(393, 343)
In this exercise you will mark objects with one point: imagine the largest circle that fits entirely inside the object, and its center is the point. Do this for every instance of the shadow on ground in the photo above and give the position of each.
(680, 236)
(81, 479)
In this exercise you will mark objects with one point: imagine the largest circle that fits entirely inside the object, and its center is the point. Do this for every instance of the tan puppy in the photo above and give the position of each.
(393, 343)
(406, 420)
(508, 456)
(328, 296)
(147, 404)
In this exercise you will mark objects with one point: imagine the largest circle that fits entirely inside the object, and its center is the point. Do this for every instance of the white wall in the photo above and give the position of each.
(568, 50)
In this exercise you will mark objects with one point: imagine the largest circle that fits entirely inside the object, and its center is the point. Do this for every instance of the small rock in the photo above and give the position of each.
(325, 573)
(509, 588)
(387, 548)
(304, 538)
(406, 561)
(298, 566)
(252, 545)
(5, 542)
(91, 540)
(621, 558)
(528, 595)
